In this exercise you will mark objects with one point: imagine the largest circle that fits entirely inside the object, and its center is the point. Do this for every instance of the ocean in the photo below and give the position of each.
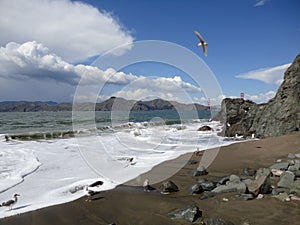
(50, 156)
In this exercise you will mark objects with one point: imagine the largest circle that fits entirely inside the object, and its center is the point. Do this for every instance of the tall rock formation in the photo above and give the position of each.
(281, 115)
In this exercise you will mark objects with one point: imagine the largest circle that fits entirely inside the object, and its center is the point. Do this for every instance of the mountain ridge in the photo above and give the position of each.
(111, 104)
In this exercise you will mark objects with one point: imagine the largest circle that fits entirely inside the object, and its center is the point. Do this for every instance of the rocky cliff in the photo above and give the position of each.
(281, 115)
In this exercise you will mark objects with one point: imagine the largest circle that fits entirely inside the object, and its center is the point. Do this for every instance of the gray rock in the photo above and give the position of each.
(282, 197)
(263, 172)
(261, 185)
(246, 196)
(208, 185)
(280, 166)
(169, 186)
(295, 187)
(297, 173)
(291, 156)
(224, 180)
(207, 194)
(217, 221)
(294, 167)
(200, 171)
(202, 180)
(196, 189)
(189, 213)
(277, 191)
(231, 186)
(234, 178)
(297, 155)
(286, 179)
(247, 181)
(248, 172)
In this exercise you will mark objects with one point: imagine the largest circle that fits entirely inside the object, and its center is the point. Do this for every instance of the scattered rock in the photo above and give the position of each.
(234, 178)
(207, 194)
(189, 213)
(294, 167)
(280, 166)
(249, 172)
(297, 155)
(196, 189)
(295, 187)
(207, 185)
(169, 186)
(246, 196)
(217, 221)
(200, 171)
(205, 128)
(284, 197)
(276, 172)
(192, 162)
(224, 180)
(233, 185)
(277, 191)
(297, 173)
(286, 178)
(262, 182)
(247, 181)
(291, 156)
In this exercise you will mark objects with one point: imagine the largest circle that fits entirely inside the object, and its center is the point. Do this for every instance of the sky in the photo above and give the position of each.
(56, 49)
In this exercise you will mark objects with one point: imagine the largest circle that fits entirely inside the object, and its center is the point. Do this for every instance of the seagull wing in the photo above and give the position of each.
(8, 203)
(97, 183)
(199, 37)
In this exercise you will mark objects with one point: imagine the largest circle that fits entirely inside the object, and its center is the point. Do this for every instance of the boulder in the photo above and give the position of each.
(260, 185)
(280, 166)
(196, 189)
(286, 179)
(248, 172)
(207, 194)
(246, 196)
(294, 167)
(297, 173)
(217, 221)
(189, 213)
(169, 186)
(277, 191)
(207, 185)
(200, 171)
(231, 186)
(295, 187)
(205, 128)
(291, 156)
(284, 197)
(223, 180)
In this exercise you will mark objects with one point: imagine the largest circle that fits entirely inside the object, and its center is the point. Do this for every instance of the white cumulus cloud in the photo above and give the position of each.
(273, 75)
(34, 61)
(71, 29)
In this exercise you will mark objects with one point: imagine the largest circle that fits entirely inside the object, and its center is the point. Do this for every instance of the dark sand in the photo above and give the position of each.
(131, 205)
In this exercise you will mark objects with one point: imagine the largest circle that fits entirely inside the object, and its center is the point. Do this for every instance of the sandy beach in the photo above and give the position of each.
(131, 205)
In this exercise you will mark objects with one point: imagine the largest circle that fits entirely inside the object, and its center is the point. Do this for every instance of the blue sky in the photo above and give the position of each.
(47, 45)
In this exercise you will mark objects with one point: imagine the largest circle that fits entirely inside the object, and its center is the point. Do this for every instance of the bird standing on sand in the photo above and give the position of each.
(10, 203)
(202, 43)
(89, 192)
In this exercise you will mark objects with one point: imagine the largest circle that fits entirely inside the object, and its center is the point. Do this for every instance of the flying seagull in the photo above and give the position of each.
(202, 43)
(90, 192)
(10, 203)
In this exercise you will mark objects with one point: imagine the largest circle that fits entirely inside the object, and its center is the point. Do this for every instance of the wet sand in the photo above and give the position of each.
(131, 205)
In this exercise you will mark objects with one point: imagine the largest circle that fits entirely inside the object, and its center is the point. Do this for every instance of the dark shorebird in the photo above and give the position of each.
(202, 43)
(89, 192)
(10, 203)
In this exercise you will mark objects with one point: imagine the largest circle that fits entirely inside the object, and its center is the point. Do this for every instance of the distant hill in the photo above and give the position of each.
(113, 103)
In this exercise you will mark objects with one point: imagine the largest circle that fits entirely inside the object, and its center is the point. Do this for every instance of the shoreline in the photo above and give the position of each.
(131, 205)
